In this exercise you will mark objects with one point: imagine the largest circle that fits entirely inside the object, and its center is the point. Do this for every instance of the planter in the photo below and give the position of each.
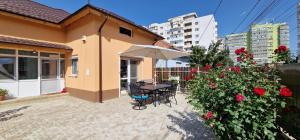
(2, 98)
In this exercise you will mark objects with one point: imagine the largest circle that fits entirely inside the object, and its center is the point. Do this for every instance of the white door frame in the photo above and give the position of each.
(128, 78)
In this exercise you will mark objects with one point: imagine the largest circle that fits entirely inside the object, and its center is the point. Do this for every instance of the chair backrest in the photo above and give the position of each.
(134, 89)
(173, 88)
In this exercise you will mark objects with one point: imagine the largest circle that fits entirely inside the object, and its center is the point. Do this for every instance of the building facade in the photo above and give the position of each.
(185, 31)
(82, 52)
(236, 41)
(265, 38)
(261, 40)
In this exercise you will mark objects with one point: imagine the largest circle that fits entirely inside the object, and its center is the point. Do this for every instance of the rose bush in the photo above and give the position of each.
(238, 102)
(282, 54)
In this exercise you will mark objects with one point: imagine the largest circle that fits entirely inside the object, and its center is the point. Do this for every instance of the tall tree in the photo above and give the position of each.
(214, 55)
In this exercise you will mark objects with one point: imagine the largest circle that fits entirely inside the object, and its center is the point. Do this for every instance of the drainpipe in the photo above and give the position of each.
(100, 59)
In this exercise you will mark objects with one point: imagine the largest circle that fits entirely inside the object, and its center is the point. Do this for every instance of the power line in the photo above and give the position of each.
(262, 13)
(254, 6)
(219, 5)
(267, 11)
(285, 11)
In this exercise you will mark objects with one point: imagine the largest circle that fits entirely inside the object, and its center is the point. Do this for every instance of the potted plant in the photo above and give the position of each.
(3, 92)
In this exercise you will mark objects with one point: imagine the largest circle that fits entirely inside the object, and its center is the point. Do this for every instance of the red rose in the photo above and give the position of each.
(285, 92)
(259, 91)
(237, 51)
(239, 98)
(194, 70)
(236, 69)
(209, 115)
(282, 48)
(207, 67)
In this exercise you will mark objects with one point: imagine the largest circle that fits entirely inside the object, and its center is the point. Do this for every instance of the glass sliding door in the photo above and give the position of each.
(128, 74)
(133, 71)
(49, 69)
(124, 75)
(50, 73)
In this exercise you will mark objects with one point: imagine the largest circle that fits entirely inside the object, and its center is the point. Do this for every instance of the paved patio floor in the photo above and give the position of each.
(69, 118)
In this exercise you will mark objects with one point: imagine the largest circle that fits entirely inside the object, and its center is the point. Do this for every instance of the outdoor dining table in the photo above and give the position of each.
(154, 89)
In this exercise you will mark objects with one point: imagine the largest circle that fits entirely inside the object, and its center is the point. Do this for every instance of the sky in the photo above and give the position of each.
(229, 15)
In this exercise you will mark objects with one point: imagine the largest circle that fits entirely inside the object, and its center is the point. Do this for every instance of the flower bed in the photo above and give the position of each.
(239, 102)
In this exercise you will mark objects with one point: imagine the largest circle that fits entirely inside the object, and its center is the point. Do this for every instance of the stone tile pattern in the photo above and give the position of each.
(69, 118)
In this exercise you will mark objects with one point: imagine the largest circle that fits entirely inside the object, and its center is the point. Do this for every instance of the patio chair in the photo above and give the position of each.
(173, 91)
(138, 95)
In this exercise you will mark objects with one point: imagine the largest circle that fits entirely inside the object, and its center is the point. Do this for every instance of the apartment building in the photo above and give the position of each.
(185, 31)
(237, 41)
(265, 38)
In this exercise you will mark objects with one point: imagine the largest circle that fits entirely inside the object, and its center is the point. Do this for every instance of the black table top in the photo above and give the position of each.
(155, 87)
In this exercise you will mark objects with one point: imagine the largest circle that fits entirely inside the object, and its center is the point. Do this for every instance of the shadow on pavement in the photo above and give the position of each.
(188, 125)
(9, 114)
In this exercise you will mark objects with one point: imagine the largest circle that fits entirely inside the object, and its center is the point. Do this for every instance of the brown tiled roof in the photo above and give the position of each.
(33, 9)
(38, 11)
(164, 44)
(4, 39)
(114, 15)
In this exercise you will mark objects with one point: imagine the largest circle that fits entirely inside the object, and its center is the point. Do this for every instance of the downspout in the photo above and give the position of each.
(100, 59)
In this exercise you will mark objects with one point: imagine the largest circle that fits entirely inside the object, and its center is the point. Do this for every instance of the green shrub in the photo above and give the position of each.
(3, 92)
(239, 102)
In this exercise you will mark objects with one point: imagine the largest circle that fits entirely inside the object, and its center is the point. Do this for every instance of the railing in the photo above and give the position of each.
(163, 74)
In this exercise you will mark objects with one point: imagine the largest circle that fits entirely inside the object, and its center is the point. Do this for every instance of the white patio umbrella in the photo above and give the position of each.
(155, 52)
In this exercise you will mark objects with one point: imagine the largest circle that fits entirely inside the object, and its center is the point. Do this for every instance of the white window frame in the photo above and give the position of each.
(15, 67)
(72, 72)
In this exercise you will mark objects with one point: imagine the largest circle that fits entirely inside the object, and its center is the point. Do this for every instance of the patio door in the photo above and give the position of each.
(50, 82)
(128, 74)
(29, 84)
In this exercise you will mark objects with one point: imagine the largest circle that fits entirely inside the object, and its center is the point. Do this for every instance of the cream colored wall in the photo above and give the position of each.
(115, 43)
(11, 26)
(87, 52)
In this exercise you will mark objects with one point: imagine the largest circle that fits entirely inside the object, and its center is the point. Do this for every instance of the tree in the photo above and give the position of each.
(201, 57)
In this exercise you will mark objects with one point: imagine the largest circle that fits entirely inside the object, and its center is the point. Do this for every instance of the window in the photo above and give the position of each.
(62, 68)
(197, 35)
(197, 42)
(28, 53)
(125, 31)
(196, 29)
(51, 55)
(7, 51)
(7, 68)
(28, 68)
(196, 23)
(75, 65)
(49, 69)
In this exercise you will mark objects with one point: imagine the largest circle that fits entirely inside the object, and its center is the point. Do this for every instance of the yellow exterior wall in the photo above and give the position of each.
(86, 83)
(10, 26)
(115, 43)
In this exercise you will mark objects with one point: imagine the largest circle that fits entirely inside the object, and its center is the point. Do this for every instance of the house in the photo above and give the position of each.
(43, 50)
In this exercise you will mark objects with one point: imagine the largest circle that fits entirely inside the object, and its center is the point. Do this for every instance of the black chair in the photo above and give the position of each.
(138, 95)
(173, 90)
